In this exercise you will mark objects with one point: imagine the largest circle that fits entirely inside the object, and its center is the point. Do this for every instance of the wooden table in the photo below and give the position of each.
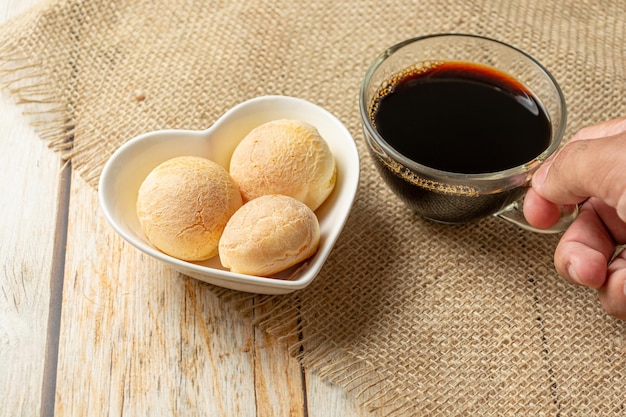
(90, 326)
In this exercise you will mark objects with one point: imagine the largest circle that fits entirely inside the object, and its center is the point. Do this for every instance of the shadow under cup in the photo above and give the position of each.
(458, 195)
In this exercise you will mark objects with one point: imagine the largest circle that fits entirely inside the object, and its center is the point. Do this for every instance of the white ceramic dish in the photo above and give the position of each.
(131, 163)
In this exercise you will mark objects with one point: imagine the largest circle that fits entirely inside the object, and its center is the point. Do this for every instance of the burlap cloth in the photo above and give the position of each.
(413, 317)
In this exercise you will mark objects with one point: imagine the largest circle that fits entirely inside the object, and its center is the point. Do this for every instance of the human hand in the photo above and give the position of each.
(590, 169)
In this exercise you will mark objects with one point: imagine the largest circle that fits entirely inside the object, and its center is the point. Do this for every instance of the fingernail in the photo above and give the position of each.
(573, 275)
(540, 176)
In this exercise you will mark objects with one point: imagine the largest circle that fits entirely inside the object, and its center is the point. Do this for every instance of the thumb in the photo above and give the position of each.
(586, 168)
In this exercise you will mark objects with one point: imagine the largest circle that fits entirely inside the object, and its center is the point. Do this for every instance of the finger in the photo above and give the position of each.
(601, 130)
(615, 226)
(613, 293)
(586, 168)
(540, 212)
(585, 249)
(582, 169)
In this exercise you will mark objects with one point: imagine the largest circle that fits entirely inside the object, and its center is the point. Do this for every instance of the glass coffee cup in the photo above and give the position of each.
(457, 124)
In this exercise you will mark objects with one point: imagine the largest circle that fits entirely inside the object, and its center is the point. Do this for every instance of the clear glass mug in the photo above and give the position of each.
(453, 197)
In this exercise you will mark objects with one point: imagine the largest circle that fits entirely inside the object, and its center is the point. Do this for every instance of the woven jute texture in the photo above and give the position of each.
(414, 318)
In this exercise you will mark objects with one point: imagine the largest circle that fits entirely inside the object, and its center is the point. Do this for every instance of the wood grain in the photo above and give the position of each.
(139, 339)
(29, 188)
(135, 338)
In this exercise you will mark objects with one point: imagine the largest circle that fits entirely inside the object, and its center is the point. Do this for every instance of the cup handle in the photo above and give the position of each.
(514, 213)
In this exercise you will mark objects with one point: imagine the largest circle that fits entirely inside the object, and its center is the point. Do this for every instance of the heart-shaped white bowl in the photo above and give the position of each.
(132, 162)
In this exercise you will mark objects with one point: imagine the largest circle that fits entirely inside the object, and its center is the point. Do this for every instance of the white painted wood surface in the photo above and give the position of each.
(29, 181)
(90, 326)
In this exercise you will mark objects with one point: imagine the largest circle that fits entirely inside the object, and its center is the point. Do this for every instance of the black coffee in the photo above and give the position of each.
(463, 118)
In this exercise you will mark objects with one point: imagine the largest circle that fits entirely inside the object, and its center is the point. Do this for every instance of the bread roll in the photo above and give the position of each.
(269, 234)
(184, 204)
(286, 157)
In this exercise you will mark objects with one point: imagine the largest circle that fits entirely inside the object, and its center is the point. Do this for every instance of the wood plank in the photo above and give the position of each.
(327, 399)
(323, 398)
(136, 338)
(29, 186)
(279, 378)
(139, 339)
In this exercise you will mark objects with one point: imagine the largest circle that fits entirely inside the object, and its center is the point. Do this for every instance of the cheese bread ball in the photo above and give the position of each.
(184, 204)
(269, 234)
(286, 157)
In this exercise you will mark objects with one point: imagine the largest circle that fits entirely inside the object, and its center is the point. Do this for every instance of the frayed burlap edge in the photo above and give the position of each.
(45, 104)
(30, 86)
(281, 318)
(53, 118)
(23, 80)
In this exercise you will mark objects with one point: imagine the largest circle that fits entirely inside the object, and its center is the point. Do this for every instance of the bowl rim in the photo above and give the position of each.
(222, 277)
(522, 169)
